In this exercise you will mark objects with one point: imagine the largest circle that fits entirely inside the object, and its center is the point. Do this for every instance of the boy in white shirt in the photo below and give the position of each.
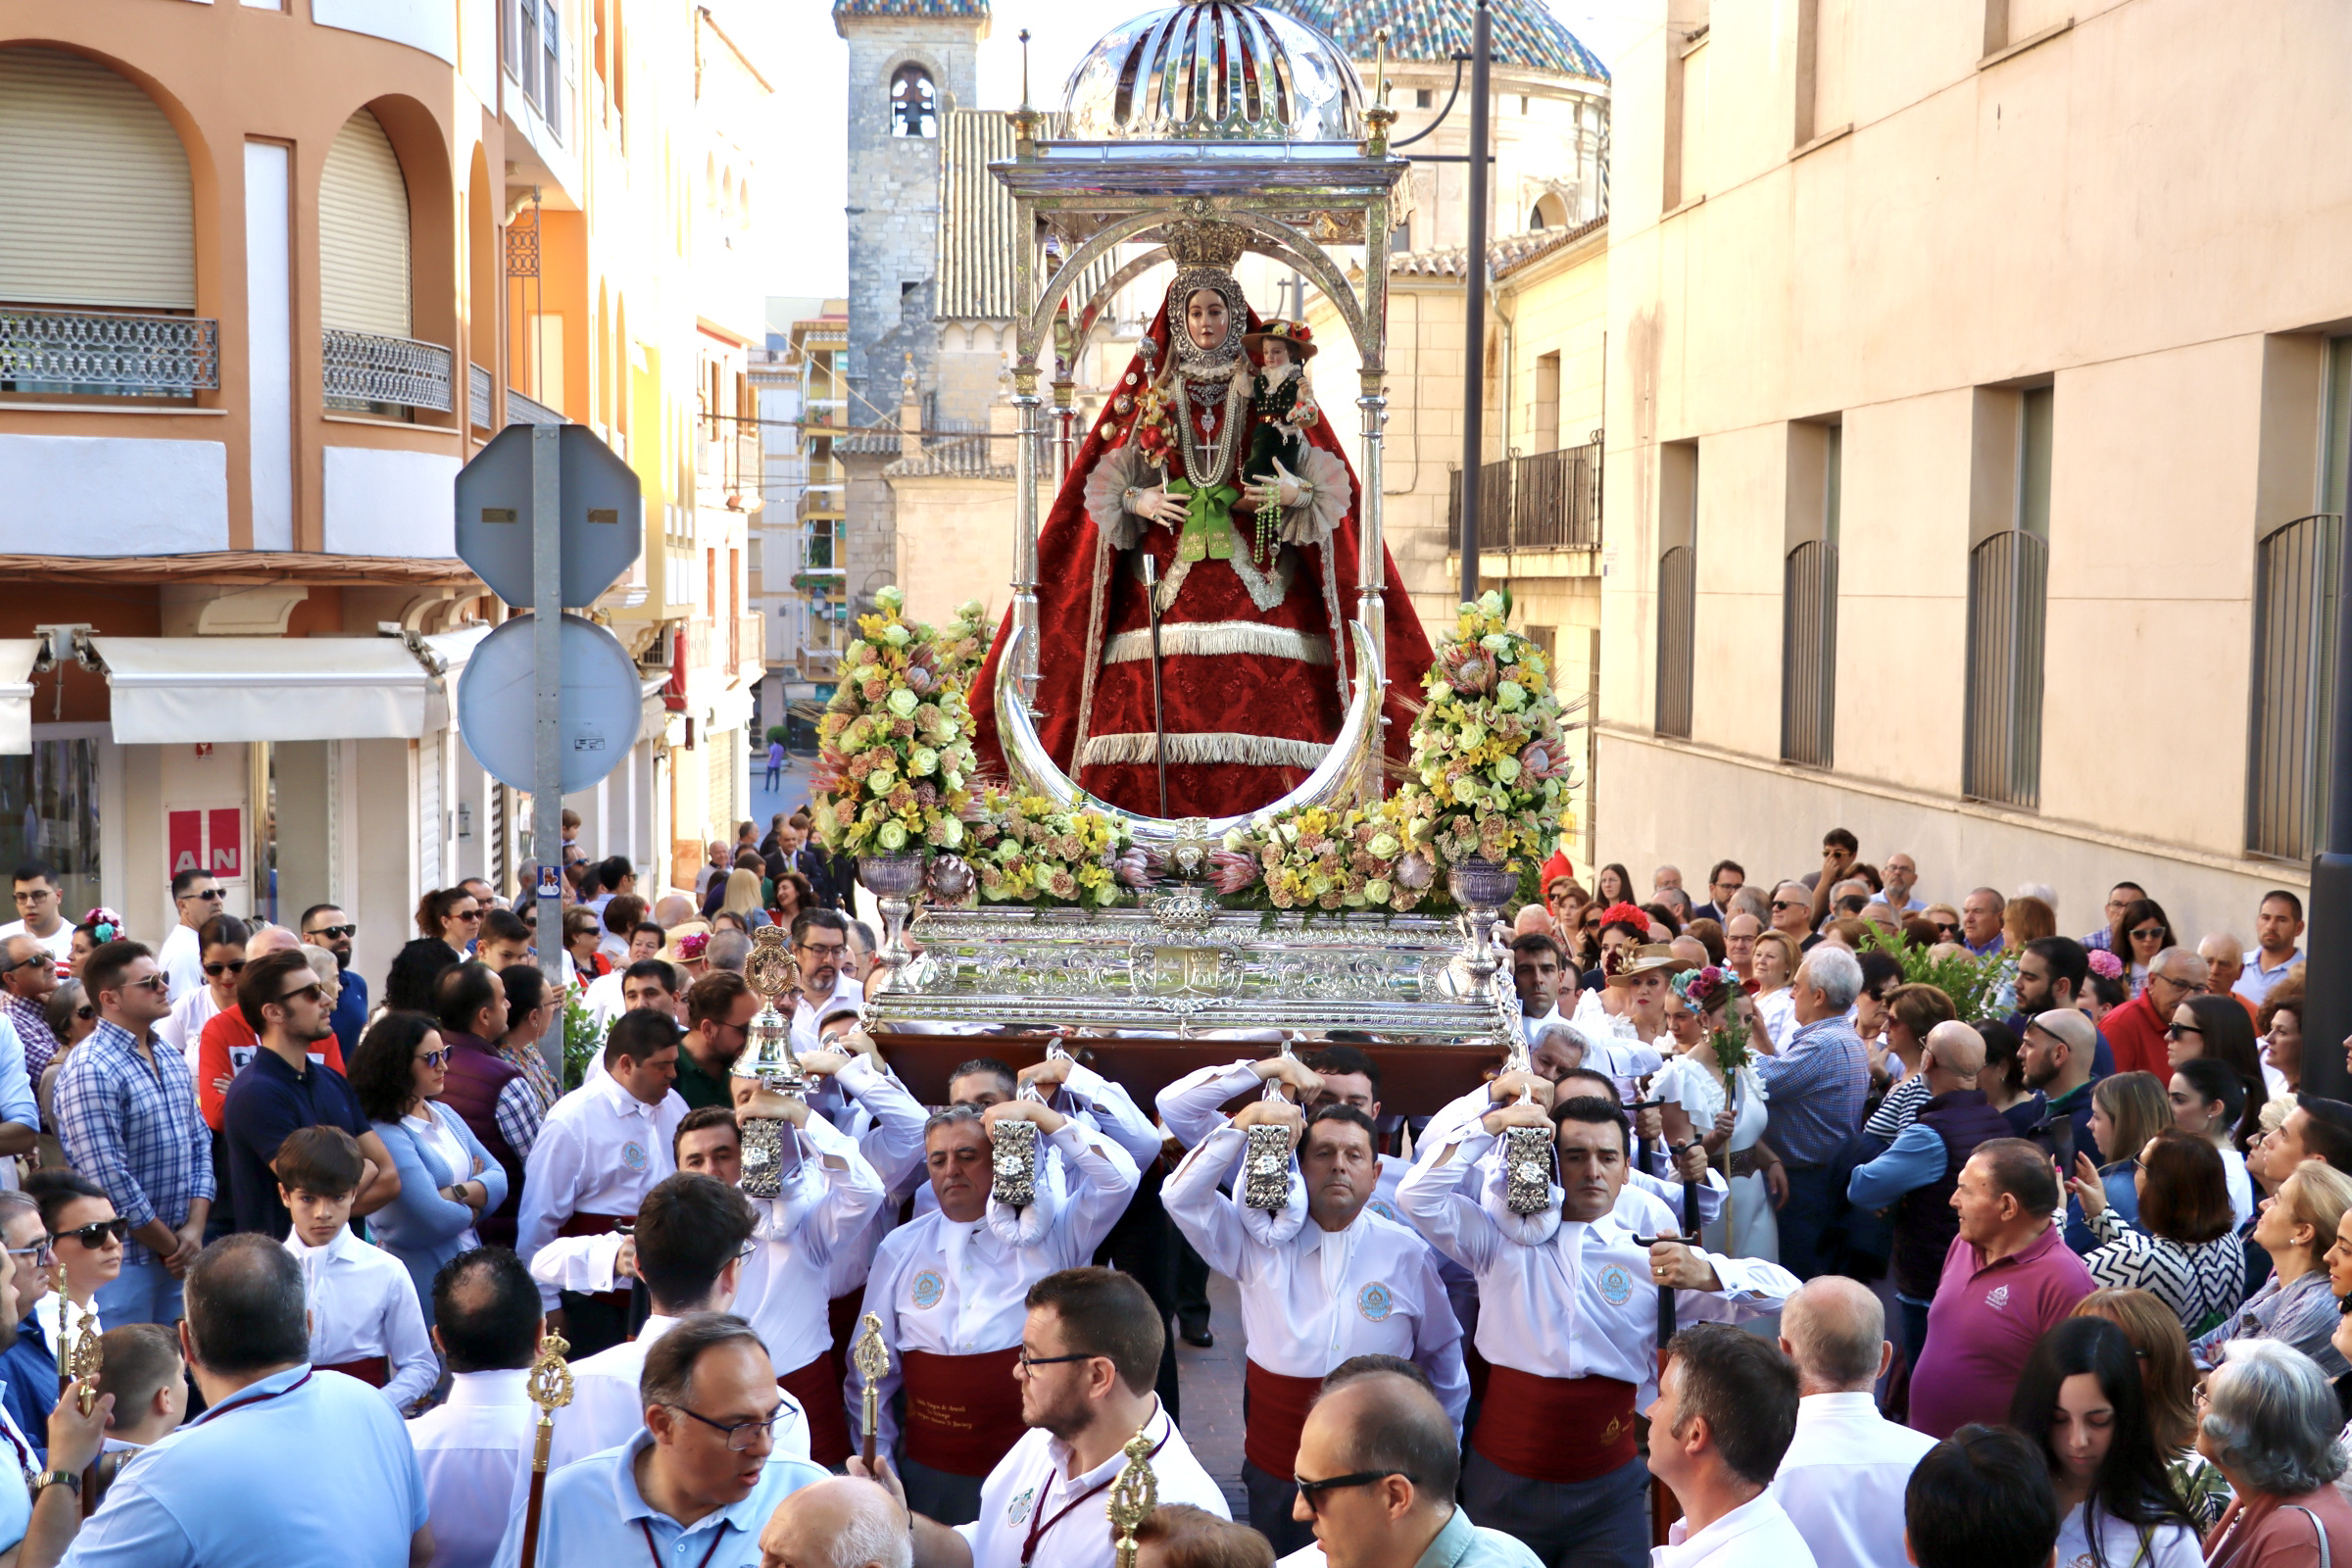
(365, 1320)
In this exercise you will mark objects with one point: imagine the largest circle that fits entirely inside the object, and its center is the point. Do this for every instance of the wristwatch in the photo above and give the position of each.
(57, 1478)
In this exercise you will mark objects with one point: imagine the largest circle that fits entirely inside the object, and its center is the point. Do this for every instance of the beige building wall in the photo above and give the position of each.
(2121, 209)
(955, 544)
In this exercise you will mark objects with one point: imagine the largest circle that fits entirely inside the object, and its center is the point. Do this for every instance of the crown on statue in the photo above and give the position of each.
(1206, 242)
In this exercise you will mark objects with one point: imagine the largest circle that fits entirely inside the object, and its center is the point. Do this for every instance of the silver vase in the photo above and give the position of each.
(893, 880)
(1480, 888)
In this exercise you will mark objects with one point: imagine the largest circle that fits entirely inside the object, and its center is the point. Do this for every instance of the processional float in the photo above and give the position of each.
(1215, 112)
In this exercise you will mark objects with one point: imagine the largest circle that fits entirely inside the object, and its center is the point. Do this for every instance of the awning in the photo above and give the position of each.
(16, 655)
(169, 690)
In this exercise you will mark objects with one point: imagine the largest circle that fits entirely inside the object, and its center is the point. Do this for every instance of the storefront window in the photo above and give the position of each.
(49, 813)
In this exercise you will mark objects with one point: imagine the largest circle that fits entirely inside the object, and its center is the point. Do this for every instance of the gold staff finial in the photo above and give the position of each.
(88, 1359)
(872, 1360)
(1133, 1496)
(550, 1383)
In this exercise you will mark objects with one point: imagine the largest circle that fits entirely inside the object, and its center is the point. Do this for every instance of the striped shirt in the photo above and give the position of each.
(2202, 1282)
(2303, 1314)
(1816, 1087)
(131, 1124)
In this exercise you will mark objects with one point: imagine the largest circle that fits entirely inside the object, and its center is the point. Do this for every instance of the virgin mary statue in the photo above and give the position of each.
(1255, 574)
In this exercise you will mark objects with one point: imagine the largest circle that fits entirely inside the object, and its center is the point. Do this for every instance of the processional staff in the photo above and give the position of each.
(1133, 1496)
(549, 1389)
(872, 1358)
(83, 1363)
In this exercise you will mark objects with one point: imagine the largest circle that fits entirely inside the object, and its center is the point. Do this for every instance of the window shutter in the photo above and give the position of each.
(362, 233)
(94, 205)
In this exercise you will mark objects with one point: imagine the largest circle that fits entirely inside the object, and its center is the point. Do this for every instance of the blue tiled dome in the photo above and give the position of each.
(1525, 32)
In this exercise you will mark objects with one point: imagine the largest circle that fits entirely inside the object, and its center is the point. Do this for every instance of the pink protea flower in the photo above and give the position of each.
(1231, 872)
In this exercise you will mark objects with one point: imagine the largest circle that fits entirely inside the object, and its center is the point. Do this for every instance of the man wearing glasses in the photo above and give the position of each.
(693, 1234)
(197, 896)
(326, 927)
(127, 1115)
(37, 914)
(820, 946)
(2135, 1031)
(29, 1364)
(696, 1476)
(28, 980)
(1088, 1353)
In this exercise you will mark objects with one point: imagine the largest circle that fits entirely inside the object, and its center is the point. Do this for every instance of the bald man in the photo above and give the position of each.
(846, 1523)
(1376, 1418)
(1842, 1478)
(1917, 1174)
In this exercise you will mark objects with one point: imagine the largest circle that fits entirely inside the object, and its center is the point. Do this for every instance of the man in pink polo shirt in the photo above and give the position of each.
(2008, 1278)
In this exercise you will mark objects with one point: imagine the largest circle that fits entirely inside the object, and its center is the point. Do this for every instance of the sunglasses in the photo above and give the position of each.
(468, 915)
(315, 991)
(434, 1058)
(213, 894)
(154, 982)
(233, 966)
(86, 1011)
(25, 963)
(1945, 928)
(2147, 933)
(333, 933)
(94, 1235)
(1313, 1490)
(1789, 904)
(2178, 1031)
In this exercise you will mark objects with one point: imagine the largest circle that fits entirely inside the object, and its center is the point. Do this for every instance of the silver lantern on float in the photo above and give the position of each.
(767, 1058)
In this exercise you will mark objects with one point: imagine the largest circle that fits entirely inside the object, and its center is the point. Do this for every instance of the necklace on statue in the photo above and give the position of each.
(1205, 465)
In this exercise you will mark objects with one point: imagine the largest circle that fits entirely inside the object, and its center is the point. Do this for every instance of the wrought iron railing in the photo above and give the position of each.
(1809, 653)
(477, 396)
(528, 411)
(362, 369)
(1543, 500)
(2297, 578)
(1678, 620)
(108, 353)
(2008, 590)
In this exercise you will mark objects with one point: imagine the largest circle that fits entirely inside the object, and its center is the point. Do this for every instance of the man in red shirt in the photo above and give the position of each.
(2135, 1031)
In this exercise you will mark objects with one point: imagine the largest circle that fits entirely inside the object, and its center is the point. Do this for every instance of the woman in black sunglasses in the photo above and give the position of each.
(87, 1237)
(221, 940)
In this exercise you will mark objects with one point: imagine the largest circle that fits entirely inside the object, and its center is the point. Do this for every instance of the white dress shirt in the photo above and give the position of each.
(1843, 1480)
(1651, 1205)
(362, 1304)
(1315, 1298)
(1031, 1489)
(1096, 1103)
(953, 1289)
(181, 958)
(866, 1100)
(1191, 1108)
(1578, 1301)
(600, 1151)
(45, 1313)
(475, 1452)
(1754, 1535)
(183, 1027)
(804, 1018)
(826, 1203)
(606, 1407)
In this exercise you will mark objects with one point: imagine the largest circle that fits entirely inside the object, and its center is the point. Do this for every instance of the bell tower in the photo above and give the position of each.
(910, 61)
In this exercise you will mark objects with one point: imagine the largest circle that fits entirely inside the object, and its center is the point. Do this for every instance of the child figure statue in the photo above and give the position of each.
(1284, 405)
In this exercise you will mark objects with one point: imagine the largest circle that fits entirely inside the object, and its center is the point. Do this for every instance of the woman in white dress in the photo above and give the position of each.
(1704, 1003)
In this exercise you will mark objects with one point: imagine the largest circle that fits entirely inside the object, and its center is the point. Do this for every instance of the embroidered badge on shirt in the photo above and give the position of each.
(1616, 1285)
(1380, 1207)
(1018, 1508)
(1998, 1298)
(633, 1156)
(1375, 1303)
(928, 1288)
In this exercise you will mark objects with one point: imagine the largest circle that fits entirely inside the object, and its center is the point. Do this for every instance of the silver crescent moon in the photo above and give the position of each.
(1334, 783)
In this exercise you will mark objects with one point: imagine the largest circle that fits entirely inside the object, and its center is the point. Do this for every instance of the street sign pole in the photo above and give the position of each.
(547, 748)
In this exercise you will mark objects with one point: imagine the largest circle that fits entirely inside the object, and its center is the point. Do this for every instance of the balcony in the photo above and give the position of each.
(477, 396)
(365, 372)
(526, 411)
(751, 645)
(108, 354)
(1550, 500)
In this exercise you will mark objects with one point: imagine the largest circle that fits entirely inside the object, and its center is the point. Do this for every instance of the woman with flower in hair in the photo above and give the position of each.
(2104, 988)
(1709, 1074)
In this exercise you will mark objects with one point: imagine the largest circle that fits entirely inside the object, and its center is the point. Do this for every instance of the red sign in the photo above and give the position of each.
(224, 854)
(207, 839)
(183, 836)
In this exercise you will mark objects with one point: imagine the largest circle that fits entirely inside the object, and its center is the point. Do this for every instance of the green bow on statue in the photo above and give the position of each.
(1208, 520)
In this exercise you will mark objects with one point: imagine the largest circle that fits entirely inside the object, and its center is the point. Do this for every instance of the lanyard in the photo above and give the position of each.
(259, 1399)
(655, 1552)
(1038, 1524)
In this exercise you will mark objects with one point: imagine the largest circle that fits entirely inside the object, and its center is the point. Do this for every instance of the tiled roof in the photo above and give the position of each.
(979, 226)
(867, 443)
(976, 9)
(964, 457)
(1524, 32)
(1504, 256)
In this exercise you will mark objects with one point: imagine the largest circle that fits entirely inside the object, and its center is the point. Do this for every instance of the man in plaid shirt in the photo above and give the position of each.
(1815, 1085)
(127, 1115)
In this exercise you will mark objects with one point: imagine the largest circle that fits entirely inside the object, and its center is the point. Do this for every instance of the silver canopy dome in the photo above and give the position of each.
(1214, 71)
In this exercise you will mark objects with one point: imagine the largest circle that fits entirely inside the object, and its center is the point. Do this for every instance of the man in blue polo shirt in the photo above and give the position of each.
(696, 1483)
(325, 925)
(284, 1090)
(194, 1498)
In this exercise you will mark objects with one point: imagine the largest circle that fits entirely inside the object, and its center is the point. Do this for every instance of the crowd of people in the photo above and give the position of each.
(1761, 1233)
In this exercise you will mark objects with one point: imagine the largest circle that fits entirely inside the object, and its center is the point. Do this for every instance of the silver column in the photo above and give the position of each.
(1025, 401)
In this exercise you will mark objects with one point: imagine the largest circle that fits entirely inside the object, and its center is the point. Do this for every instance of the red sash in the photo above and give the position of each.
(1273, 1417)
(821, 1402)
(373, 1370)
(963, 1412)
(1554, 1429)
(600, 1225)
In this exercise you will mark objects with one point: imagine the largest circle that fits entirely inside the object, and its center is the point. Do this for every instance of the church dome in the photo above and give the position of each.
(1214, 71)
(1522, 32)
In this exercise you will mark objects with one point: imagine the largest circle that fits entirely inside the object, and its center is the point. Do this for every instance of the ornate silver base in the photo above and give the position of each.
(1185, 965)
(1266, 1168)
(764, 1155)
(1016, 1149)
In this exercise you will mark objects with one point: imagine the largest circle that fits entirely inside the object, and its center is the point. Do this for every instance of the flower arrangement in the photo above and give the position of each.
(1374, 856)
(894, 748)
(1487, 744)
(1025, 850)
